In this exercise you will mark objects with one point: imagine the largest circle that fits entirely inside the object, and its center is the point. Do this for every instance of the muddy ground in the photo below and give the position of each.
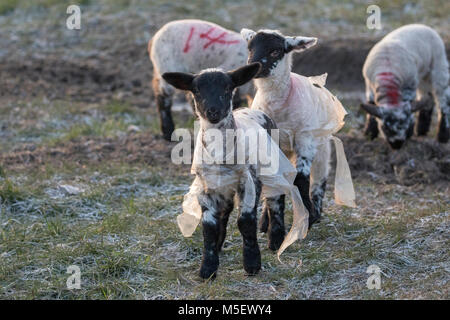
(102, 79)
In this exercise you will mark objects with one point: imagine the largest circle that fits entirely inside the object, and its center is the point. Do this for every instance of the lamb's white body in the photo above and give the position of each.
(307, 115)
(189, 46)
(410, 61)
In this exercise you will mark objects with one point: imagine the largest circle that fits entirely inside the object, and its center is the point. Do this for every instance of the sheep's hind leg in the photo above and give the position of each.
(210, 204)
(247, 226)
(371, 127)
(441, 95)
(164, 106)
(444, 117)
(274, 209)
(305, 151)
(425, 115)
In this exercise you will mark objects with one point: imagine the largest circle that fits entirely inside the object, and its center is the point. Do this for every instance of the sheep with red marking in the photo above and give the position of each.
(405, 72)
(191, 46)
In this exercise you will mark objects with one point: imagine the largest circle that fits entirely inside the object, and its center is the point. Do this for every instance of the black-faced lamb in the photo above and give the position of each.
(217, 180)
(404, 72)
(306, 113)
(191, 46)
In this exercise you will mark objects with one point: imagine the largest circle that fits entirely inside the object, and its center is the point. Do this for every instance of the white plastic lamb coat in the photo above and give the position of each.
(310, 109)
(274, 182)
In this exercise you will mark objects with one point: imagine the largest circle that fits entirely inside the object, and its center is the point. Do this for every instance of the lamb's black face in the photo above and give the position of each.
(213, 92)
(267, 49)
(212, 89)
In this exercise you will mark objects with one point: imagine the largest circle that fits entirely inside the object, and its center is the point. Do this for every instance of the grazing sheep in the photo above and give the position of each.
(407, 61)
(306, 113)
(217, 181)
(191, 46)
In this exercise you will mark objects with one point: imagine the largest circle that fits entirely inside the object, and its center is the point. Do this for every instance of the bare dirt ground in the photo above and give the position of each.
(77, 109)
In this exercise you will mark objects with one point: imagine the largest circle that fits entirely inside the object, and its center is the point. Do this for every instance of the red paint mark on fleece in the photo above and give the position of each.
(387, 81)
(218, 39)
(187, 46)
(211, 40)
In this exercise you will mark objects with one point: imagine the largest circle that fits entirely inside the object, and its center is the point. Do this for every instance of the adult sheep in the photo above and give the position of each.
(405, 72)
(191, 46)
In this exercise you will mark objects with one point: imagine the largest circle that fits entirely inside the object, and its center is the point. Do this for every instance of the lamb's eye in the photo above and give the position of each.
(275, 53)
(222, 98)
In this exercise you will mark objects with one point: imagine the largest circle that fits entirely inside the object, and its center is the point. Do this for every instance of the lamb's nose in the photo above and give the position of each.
(212, 114)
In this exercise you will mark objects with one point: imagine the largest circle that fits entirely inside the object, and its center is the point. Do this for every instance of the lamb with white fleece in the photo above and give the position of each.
(306, 113)
(406, 64)
(222, 171)
(191, 46)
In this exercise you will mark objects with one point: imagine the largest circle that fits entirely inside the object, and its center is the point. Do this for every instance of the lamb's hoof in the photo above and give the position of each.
(167, 134)
(208, 273)
(167, 128)
(209, 267)
(252, 261)
(313, 219)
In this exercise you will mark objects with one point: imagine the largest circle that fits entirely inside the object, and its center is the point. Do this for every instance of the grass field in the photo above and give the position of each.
(86, 179)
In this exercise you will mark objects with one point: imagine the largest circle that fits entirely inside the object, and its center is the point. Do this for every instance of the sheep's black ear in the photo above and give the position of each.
(244, 74)
(372, 109)
(299, 43)
(179, 80)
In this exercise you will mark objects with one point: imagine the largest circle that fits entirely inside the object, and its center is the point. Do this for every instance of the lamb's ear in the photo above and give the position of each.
(179, 80)
(247, 34)
(299, 43)
(244, 74)
(372, 109)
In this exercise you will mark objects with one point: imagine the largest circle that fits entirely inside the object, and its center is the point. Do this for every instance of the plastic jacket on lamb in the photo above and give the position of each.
(275, 181)
(310, 109)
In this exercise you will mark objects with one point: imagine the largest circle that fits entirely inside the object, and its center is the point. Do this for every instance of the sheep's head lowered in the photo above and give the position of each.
(271, 48)
(213, 89)
(395, 122)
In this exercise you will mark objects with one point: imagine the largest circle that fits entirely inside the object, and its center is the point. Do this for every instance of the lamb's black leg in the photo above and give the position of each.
(247, 226)
(164, 105)
(302, 182)
(275, 213)
(211, 230)
(225, 214)
(317, 195)
(371, 127)
(425, 116)
(264, 220)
